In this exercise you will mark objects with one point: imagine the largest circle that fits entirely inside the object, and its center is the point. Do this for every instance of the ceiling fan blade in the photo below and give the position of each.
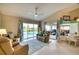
(41, 14)
(30, 13)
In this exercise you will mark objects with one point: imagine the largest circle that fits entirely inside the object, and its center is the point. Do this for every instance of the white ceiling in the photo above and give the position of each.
(27, 10)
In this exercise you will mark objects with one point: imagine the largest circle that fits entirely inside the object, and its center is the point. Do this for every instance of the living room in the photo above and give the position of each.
(30, 25)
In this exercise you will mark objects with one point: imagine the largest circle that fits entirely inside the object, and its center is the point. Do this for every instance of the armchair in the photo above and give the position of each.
(6, 48)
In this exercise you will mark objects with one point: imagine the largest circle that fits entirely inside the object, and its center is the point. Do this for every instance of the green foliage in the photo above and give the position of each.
(30, 29)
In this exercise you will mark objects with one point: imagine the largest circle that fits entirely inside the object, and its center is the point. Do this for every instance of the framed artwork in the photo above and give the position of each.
(66, 18)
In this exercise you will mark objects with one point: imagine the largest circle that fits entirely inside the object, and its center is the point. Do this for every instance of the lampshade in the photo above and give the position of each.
(3, 31)
(78, 19)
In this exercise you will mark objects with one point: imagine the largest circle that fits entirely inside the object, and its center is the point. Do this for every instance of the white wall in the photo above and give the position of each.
(0, 22)
(73, 27)
(10, 23)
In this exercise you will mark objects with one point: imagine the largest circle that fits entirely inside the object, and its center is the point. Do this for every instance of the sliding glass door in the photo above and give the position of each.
(35, 29)
(29, 30)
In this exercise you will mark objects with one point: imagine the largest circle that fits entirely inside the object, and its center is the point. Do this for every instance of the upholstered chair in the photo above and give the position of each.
(6, 48)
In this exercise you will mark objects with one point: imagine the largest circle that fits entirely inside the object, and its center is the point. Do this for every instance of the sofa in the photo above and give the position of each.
(6, 47)
(44, 37)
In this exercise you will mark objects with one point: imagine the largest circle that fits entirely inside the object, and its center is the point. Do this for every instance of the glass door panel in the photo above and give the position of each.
(48, 27)
(30, 29)
(35, 29)
(25, 30)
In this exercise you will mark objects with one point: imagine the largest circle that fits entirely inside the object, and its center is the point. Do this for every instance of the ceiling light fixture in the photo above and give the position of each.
(35, 15)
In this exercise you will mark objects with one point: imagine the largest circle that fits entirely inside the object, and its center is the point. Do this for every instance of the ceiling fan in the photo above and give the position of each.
(36, 13)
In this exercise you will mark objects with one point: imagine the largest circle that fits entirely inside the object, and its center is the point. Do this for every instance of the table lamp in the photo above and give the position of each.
(3, 31)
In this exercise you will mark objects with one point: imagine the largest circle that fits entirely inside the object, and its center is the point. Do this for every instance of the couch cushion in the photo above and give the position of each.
(1, 52)
(6, 45)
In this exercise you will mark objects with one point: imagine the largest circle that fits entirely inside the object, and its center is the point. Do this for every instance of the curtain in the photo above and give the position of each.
(21, 29)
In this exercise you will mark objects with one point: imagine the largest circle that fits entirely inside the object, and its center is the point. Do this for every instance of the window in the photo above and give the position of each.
(48, 27)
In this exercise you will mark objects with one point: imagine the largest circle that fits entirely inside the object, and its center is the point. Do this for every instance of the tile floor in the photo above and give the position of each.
(58, 48)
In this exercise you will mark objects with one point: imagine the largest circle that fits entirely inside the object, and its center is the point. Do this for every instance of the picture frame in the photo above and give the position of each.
(66, 18)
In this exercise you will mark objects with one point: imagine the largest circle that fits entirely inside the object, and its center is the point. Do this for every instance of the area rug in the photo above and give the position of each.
(35, 45)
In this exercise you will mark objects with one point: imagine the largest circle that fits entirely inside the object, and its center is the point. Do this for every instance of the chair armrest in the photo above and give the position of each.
(21, 50)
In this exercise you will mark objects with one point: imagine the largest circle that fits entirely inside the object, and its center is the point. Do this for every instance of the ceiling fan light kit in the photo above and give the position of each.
(36, 15)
